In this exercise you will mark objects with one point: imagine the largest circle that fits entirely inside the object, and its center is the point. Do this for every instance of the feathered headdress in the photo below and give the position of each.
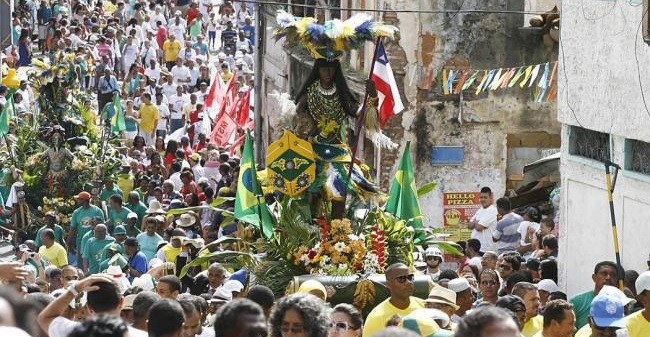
(331, 39)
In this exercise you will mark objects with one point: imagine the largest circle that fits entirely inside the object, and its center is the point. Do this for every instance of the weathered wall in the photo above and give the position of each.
(476, 41)
(599, 89)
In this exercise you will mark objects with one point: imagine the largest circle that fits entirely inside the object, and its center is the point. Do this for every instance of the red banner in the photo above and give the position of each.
(223, 129)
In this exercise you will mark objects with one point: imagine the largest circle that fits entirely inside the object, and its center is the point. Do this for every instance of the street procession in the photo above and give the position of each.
(324, 168)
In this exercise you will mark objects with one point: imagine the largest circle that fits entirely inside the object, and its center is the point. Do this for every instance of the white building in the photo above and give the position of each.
(604, 72)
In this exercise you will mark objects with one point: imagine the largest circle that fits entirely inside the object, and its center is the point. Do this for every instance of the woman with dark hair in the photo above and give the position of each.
(132, 80)
(160, 146)
(548, 270)
(346, 321)
(24, 49)
(299, 315)
(189, 185)
(170, 153)
(324, 105)
(138, 144)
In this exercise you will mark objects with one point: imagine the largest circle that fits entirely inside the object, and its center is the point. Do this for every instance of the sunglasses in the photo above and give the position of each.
(404, 278)
(505, 266)
(340, 326)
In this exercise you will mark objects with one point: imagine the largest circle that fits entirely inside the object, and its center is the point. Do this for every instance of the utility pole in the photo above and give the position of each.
(259, 78)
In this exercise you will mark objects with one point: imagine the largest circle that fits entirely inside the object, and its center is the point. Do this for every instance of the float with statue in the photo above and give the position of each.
(51, 150)
(319, 215)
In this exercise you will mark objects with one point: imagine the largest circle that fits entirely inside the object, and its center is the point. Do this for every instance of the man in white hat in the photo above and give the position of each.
(442, 299)
(545, 287)
(464, 298)
(434, 259)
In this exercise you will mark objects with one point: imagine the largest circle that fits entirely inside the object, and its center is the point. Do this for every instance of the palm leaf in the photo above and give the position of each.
(426, 188)
(221, 240)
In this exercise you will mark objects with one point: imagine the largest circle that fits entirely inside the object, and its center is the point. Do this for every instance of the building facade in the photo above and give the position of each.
(604, 70)
(498, 131)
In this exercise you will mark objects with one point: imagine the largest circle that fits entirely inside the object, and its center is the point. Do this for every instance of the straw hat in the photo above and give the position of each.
(155, 207)
(186, 220)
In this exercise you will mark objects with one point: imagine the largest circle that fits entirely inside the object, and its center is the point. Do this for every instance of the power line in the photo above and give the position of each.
(412, 11)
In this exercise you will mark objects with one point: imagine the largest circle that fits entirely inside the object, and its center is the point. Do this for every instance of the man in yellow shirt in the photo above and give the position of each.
(638, 324)
(559, 320)
(399, 280)
(171, 48)
(533, 322)
(148, 119)
(51, 250)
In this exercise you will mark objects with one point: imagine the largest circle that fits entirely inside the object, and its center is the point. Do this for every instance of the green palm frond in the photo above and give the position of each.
(228, 258)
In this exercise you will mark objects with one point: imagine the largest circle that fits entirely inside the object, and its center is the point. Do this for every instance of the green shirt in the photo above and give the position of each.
(118, 217)
(58, 235)
(132, 232)
(581, 306)
(140, 209)
(106, 193)
(195, 28)
(148, 244)
(81, 217)
(93, 252)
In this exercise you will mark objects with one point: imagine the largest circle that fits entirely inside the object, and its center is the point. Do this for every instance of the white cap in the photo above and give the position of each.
(233, 285)
(643, 282)
(547, 285)
(615, 292)
(131, 215)
(458, 284)
(221, 294)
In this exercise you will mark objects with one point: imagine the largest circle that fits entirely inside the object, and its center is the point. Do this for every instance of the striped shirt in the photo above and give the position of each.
(506, 232)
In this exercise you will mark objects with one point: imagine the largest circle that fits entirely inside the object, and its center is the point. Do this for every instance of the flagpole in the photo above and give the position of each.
(359, 121)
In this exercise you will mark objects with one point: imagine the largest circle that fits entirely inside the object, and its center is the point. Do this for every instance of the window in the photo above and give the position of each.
(589, 144)
(637, 156)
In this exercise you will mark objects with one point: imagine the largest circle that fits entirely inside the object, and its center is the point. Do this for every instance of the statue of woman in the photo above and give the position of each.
(324, 106)
(56, 156)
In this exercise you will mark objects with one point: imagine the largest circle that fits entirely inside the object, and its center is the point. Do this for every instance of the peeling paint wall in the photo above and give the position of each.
(604, 68)
(476, 41)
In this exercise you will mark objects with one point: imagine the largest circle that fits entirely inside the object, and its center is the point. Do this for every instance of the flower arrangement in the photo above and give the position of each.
(61, 206)
(340, 251)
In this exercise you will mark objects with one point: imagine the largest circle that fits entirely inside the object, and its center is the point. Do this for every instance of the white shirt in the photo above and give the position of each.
(148, 54)
(62, 327)
(187, 54)
(153, 73)
(198, 171)
(163, 111)
(169, 90)
(181, 74)
(153, 18)
(178, 31)
(486, 217)
(176, 178)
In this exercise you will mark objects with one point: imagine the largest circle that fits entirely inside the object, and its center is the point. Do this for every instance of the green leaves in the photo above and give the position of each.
(426, 188)
(228, 258)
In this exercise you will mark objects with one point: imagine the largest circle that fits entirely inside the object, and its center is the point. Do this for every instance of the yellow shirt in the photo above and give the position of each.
(149, 117)
(533, 326)
(637, 325)
(56, 254)
(170, 50)
(383, 312)
(171, 253)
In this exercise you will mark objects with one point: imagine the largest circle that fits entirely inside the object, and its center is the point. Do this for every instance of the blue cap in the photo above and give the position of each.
(607, 311)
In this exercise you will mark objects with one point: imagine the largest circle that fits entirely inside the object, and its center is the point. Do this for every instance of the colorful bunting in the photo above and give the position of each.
(540, 79)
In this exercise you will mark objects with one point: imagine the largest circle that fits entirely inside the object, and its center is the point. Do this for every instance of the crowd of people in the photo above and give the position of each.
(126, 266)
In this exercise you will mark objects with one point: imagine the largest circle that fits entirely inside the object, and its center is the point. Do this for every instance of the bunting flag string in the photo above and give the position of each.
(539, 79)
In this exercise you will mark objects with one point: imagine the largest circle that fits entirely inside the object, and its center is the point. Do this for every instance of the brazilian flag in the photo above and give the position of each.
(118, 123)
(403, 199)
(249, 202)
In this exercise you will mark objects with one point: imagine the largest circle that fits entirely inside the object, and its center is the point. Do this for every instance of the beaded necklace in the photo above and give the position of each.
(325, 110)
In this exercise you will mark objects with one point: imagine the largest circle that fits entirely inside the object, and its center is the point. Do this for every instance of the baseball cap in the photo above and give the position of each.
(133, 242)
(547, 285)
(195, 156)
(643, 282)
(83, 195)
(233, 285)
(613, 291)
(421, 322)
(607, 311)
(458, 284)
(131, 215)
(221, 295)
(119, 229)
